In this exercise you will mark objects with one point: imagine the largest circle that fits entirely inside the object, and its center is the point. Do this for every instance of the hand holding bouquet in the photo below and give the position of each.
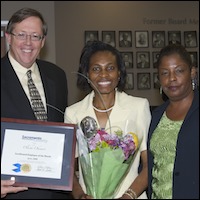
(105, 158)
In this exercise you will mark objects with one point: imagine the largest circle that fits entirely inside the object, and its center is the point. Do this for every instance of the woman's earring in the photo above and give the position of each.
(160, 89)
(194, 83)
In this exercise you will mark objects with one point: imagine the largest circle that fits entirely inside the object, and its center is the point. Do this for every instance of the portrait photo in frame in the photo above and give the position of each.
(174, 37)
(141, 39)
(128, 59)
(156, 82)
(143, 81)
(143, 59)
(158, 39)
(194, 58)
(190, 39)
(129, 81)
(155, 55)
(91, 36)
(36, 160)
(4, 44)
(125, 38)
(109, 37)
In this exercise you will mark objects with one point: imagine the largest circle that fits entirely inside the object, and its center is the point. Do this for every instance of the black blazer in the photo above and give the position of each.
(15, 104)
(186, 166)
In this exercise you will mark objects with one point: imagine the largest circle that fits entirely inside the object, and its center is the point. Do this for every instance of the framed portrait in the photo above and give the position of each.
(129, 81)
(143, 59)
(194, 58)
(143, 81)
(174, 37)
(36, 160)
(4, 44)
(158, 39)
(125, 38)
(141, 39)
(91, 36)
(156, 82)
(155, 55)
(128, 59)
(190, 39)
(109, 37)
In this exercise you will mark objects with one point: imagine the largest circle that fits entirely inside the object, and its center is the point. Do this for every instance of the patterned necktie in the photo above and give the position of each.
(36, 100)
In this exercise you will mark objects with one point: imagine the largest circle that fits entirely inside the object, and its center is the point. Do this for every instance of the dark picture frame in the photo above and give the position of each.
(194, 58)
(128, 59)
(141, 39)
(33, 140)
(174, 37)
(143, 81)
(4, 44)
(91, 36)
(143, 59)
(155, 55)
(125, 39)
(156, 82)
(158, 39)
(190, 39)
(129, 81)
(109, 37)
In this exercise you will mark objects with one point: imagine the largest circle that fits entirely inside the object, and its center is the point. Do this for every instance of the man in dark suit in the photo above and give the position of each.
(174, 39)
(158, 40)
(25, 34)
(125, 42)
(143, 62)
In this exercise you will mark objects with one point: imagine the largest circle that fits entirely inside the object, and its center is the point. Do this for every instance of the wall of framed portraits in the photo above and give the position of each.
(140, 50)
(138, 29)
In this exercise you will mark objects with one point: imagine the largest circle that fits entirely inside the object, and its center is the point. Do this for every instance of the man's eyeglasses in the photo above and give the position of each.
(23, 36)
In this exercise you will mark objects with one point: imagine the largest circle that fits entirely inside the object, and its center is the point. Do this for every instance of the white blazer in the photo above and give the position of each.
(129, 114)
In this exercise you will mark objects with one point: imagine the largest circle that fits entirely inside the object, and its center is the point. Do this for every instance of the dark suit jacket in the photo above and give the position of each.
(15, 104)
(140, 65)
(186, 166)
(122, 43)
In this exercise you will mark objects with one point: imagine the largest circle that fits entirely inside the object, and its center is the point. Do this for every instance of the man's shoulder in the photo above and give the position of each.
(49, 66)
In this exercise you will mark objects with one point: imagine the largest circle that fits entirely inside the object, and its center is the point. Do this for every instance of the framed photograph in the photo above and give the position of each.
(156, 82)
(125, 38)
(128, 59)
(38, 154)
(91, 36)
(129, 81)
(109, 37)
(174, 37)
(194, 58)
(143, 81)
(143, 59)
(158, 39)
(4, 44)
(155, 56)
(190, 39)
(141, 39)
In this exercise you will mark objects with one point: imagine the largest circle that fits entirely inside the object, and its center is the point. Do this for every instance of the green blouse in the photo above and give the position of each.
(163, 148)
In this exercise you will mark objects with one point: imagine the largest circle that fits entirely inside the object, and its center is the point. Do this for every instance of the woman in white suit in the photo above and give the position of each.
(103, 74)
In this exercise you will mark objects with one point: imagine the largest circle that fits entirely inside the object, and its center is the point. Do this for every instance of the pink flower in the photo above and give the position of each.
(102, 139)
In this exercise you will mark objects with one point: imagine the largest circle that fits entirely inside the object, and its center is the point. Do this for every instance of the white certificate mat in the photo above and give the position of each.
(38, 154)
(35, 154)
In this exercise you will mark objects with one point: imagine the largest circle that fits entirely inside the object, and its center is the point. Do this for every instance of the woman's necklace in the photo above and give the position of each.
(102, 111)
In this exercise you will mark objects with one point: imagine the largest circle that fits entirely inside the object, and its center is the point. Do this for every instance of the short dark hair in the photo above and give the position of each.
(175, 49)
(91, 48)
(23, 14)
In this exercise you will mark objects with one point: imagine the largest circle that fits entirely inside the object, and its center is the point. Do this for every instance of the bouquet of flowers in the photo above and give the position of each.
(105, 158)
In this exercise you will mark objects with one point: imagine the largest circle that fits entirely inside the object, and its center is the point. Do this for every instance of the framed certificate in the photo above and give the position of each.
(38, 154)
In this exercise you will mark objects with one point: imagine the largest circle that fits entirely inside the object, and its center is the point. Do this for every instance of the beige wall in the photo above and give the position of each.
(73, 18)
(47, 10)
